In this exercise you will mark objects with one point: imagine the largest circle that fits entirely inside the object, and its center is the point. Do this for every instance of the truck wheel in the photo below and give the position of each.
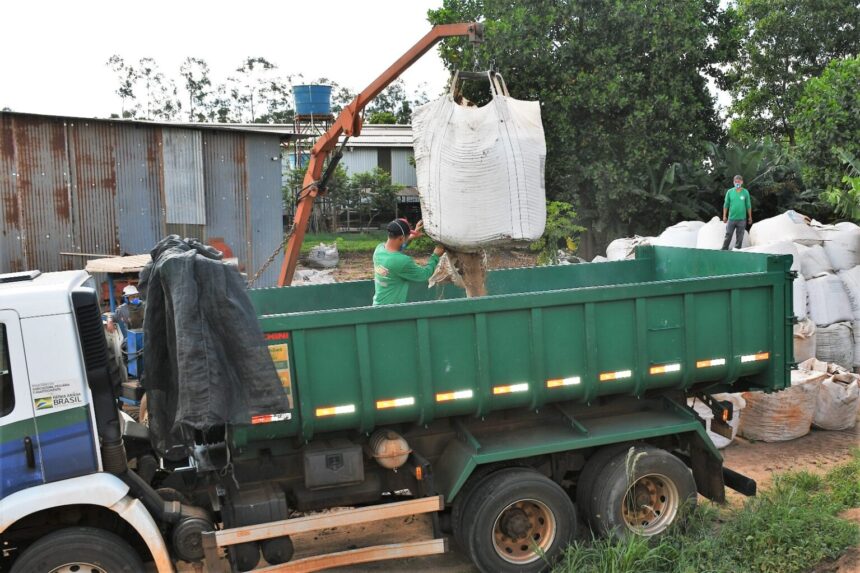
(474, 482)
(641, 492)
(517, 521)
(84, 549)
(587, 478)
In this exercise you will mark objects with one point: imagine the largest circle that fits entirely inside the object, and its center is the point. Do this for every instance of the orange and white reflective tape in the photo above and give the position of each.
(560, 382)
(755, 357)
(664, 368)
(395, 403)
(458, 395)
(711, 362)
(511, 388)
(335, 410)
(617, 375)
(267, 418)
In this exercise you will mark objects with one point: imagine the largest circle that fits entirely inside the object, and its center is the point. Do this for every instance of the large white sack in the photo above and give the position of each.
(790, 226)
(704, 412)
(851, 281)
(813, 261)
(784, 415)
(856, 335)
(828, 301)
(800, 299)
(683, 234)
(804, 340)
(624, 248)
(842, 243)
(835, 344)
(780, 248)
(480, 171)
(838, 402)
(713, 233)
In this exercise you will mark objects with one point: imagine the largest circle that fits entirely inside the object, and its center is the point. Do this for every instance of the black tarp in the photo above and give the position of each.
(206, 363)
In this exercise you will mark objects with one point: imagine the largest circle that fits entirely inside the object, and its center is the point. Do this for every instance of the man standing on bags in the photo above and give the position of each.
(737, 213)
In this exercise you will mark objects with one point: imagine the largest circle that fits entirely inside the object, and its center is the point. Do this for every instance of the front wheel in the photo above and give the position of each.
(518, 521)
(79, 549)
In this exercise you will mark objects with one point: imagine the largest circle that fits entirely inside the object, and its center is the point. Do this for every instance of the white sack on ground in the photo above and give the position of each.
(683, 234)
(713, 233)
(842, 243)
(814, 261)
(828, 301)
(835, 344)
(784, 415)
(623, 249)
(851, 281)
(790, 226)
(480, 171)
(800, 299)
(838, 402)
(804, 340)
(780, 248)
(323, 256)
(312, 277)
(704, 412)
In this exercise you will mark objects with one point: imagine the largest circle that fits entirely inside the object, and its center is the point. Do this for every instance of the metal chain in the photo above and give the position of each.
(272, 257)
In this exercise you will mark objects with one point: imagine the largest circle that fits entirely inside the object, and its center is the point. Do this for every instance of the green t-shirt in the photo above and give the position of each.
(738, 203)
(392, 272)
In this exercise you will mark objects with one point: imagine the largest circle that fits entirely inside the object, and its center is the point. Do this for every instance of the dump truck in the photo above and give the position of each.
(557, 402)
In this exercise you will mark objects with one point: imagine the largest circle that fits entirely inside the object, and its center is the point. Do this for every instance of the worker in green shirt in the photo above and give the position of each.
(392, 269)
(737, 212)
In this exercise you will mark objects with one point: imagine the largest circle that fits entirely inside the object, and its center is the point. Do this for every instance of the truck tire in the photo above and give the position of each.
(518, 521)
(587, 478)
(474, 482)
(641, 492)
(85, 549)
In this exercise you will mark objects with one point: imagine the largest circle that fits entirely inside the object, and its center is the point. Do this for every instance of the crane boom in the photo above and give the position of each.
(349, 123)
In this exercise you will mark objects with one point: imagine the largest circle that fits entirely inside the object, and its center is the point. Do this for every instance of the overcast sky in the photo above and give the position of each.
(53, 53)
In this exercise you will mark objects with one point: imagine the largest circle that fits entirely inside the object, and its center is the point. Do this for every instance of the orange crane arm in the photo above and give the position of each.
(349, 123)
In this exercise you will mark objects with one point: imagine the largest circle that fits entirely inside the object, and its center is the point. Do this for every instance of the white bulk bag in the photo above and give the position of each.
(828, 301)
(780, 248)
(838, 402)
(790, 226)
(851, 281)
(713, 233)
(842, 243)
(856, 335)
(683, 234)
(623, 249)
(705, 413)
(480, 171)
(800, 299)
(784, 415)
(804, 340)
(835, 344)
(323, 256)
(813, 261)
(599, 259)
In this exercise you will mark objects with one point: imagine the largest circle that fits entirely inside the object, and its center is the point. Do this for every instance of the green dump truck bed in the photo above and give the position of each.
(670, 319)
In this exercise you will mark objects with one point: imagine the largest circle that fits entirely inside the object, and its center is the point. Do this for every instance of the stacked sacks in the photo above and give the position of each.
(684, 234)
(851, 281)
(785, 415)
(838, 398)
(842, 243)
(804, 340)
(623, 249)
(788, 248)
(712, 235)
(790, 226)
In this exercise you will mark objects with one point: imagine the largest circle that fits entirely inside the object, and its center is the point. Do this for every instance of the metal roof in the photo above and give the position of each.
(374, 135)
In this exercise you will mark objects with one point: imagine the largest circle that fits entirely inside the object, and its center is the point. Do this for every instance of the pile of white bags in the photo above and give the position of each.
(623, 249)
(814, 261)
(790, 226)
(800, 299)
(804, 340)
(835, 343)
(784, 415)
(480, 171)
(842, 243)
(684, 234)
(713, 233)
(851, 281)
(838, 398)
(323, 256)
(778, 248)
(828, 301)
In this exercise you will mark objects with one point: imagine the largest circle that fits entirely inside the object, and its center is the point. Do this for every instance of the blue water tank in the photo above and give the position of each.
(312, 100)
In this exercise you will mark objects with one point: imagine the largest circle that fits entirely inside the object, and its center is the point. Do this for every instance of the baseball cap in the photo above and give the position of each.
(130, 290)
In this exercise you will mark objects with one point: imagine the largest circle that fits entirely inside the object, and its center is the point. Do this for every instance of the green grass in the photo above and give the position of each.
(788, 529)
(346, 242)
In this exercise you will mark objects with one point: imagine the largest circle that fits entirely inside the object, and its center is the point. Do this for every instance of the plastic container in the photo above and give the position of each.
(312, 99)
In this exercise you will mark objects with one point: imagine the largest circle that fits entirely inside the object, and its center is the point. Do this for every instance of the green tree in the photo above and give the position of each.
(623, 92)
(783, 43)
(195, 72)
(127, 78)
(159, 92)
(373, 194)
(845, 200)
(246, 88)
(827, 118)
(561, 231)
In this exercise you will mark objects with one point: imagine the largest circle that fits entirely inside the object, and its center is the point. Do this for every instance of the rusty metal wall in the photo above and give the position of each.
(182, 166)
(90, 186)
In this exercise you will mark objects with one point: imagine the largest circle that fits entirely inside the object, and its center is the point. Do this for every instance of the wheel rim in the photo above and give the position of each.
(524, 531)
(650, 504)
(78, 567)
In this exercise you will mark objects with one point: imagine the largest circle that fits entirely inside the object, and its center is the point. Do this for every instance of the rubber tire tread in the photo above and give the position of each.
(612, 484)
(502, 488)
(586, 482)
(479, 475)
(88, 544)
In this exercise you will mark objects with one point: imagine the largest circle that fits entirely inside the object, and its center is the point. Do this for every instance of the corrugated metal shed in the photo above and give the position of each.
(359, 160)
(73, 189)
(402, 171)
(377, 135)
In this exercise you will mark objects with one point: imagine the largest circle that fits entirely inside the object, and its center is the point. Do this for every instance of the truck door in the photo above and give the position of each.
(20, 456)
